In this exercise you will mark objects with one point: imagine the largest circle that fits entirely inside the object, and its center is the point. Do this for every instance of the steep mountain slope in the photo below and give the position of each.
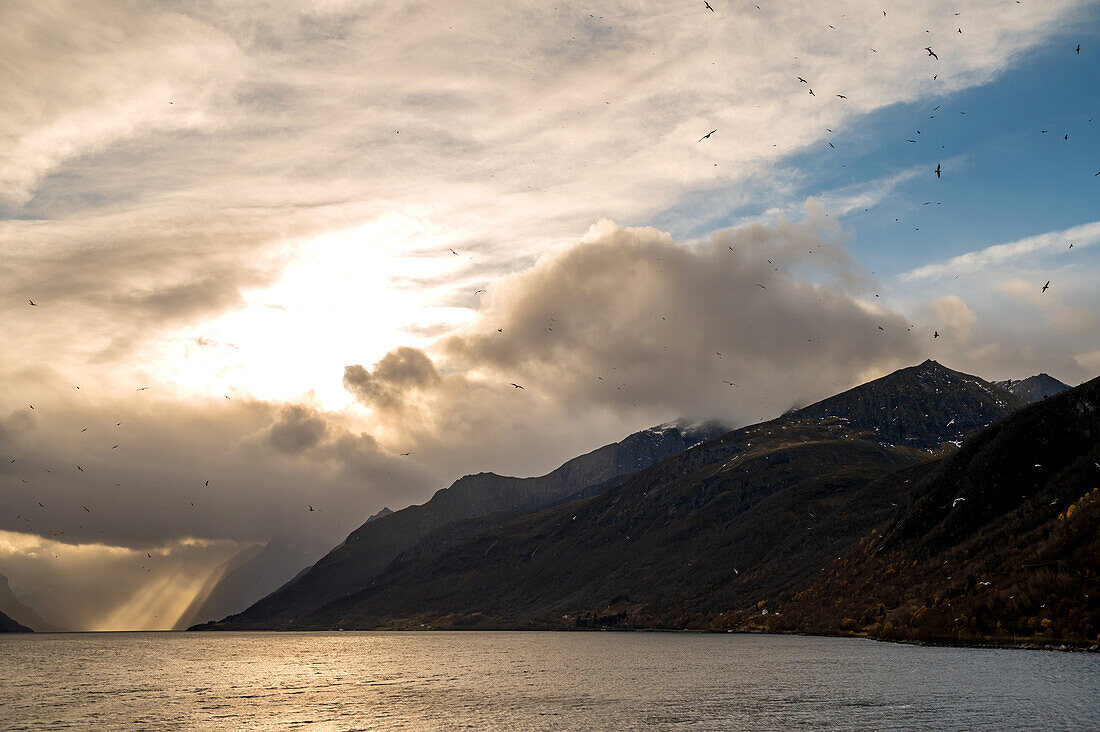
(374, 545)
(1034, 388)
(753, 512)
(7, 625)
(16, 610)
(921, 406)
(252, 574)
(1000, 542)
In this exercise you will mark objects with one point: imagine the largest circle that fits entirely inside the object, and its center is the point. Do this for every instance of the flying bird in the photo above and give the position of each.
(761, 286)
(1046, 286)
(516, 385)
(143, 388)
(842, 96)
(954, 502)
(310, 508)
(478, 292)
(706, 136)
(80, 468)
(812, 93)
(803, 80)
(931, 52)
(86, 509)
(708, 6)
(935, 334)
(729, 382)
(33, 303)
(1078, 49)
(406, 454)
(207, 483)
(937, 171)
(453, 252)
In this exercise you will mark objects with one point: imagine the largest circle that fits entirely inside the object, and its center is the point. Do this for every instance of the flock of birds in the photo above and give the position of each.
(937, 171)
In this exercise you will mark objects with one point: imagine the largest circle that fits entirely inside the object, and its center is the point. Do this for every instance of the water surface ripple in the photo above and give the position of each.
(532, 681)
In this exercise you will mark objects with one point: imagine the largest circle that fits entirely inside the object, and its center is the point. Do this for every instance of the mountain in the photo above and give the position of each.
(752, 513)
(1034, 388)
(249, 576)
(373, 546)
(381, 514)
(999, 542)
(922, 406)
(15, 610)
(7, 625)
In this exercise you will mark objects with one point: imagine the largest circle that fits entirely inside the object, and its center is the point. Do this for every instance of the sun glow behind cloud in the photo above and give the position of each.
(340, 299)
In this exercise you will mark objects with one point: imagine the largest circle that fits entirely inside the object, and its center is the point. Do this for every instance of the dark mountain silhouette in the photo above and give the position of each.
(813, 529)
(7, 625)
(1034, 388)
(381, 514)
(18, 611)
(999, 542)
(373, 546)
(731, 521)
(921, 406)
(250, 575)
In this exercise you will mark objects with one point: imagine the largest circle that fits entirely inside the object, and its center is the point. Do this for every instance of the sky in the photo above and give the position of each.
(273, 248)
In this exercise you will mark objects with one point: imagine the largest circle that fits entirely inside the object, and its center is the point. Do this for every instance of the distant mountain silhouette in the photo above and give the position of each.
(16, 610)
(7, 625)
(723, 525)
(249, 576)
(373, 546)
(1034, 388)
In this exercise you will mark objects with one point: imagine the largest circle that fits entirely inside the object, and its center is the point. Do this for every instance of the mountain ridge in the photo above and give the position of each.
(1034, 388)
(374, 545)
(819, 454)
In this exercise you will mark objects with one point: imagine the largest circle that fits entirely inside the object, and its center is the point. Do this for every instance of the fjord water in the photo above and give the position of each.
(532, 681)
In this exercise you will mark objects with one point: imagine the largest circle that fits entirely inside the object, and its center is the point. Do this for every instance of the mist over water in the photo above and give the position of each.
(533, 681)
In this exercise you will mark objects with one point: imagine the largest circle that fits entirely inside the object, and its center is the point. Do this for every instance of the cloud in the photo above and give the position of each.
(399, 375)
(297, 430)
(954, 319)
(630, 327)
(507, 129)
(100, 479)
(199, 197)
(1012, 252)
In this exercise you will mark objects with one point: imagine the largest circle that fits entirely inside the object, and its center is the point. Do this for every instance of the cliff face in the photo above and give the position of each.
(374, 545)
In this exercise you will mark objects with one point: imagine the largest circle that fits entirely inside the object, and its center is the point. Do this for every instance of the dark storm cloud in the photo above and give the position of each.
(400, 374)
(773, 308)
(297, 429)
(630, 328)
